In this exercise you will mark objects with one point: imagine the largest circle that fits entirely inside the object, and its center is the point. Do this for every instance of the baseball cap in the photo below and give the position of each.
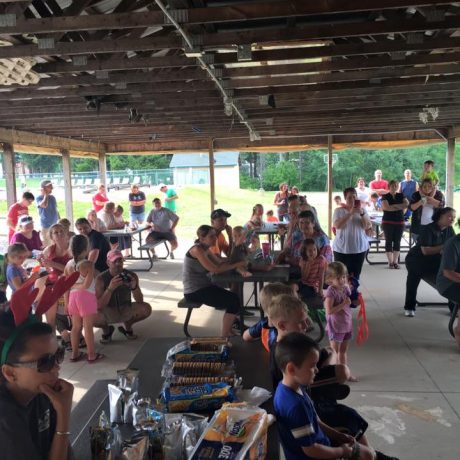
(160, 186)
(219, 213)
(25, 219)
(114, 255)
(45, 183)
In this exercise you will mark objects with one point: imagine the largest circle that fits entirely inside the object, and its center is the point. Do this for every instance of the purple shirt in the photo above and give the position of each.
(33, 243)
(341, 322)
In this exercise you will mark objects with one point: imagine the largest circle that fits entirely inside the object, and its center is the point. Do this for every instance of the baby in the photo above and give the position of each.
(240, 250)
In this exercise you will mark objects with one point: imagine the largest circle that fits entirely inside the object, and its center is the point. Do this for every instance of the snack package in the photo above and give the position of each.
(199, 351)
(105, 441)
(177, 380)
(128, 380)
(196, 398)
(236, 432)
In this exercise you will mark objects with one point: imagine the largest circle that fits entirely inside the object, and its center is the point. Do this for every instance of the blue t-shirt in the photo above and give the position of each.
(408, 188)
(297, 422)
(12, 271)
(49, 215)
(255, 331)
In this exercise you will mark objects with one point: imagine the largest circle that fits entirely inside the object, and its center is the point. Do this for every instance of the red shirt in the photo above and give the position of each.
(378, 184)
(14, 212)
(99, 197)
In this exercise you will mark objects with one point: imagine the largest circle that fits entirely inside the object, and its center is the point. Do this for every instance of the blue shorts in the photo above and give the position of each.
(137, 217)
(339, 337)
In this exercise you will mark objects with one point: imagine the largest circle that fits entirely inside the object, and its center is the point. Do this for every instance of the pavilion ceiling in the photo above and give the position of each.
(118, 73)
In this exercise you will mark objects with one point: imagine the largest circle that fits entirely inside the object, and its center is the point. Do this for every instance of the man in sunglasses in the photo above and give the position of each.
(115, 289)
(16, 210)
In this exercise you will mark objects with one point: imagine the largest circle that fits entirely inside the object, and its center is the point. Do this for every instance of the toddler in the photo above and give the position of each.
(240, 250)
(82, 301)
(312, 268)
(339, 318)
(429, 172)
(271, 217)
(263, 329)
(16, 275)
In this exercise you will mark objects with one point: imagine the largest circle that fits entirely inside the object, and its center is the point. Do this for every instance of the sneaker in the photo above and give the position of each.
(171, 255)
(107, 338)
(409, 313)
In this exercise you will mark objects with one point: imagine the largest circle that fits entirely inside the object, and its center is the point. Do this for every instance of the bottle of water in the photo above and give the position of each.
(126, 228)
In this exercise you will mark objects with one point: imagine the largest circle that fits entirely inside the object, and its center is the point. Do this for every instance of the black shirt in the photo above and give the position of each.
(26, 433)
(431, 235)
(98, 241)
(139, 196)
(394, 217)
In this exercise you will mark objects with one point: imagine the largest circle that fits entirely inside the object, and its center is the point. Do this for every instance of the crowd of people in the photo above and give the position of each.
(83, 282)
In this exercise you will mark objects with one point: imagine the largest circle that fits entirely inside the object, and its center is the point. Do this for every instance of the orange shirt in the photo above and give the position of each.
(272, 219)
(221, 246)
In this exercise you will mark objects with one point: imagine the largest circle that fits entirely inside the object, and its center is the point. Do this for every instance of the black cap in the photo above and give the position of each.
(219, 213)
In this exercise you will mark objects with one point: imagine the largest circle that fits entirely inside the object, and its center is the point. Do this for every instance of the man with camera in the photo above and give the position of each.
(115, 288)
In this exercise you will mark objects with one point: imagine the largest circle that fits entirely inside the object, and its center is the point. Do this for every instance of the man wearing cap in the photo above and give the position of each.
(170, 197)
(47, 210)
(219, 223)
(115, 288)
(17, 210)
(98, 244)
(163, 223)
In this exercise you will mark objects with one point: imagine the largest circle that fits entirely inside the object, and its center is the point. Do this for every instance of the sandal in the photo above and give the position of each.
(97, 357)
(80, 357)
(107, 338)
(396, 266)
(130, 335)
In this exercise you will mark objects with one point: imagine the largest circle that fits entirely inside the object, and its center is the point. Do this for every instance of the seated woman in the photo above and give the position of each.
(27, 235)
(448, 279)
(35, 403)
(199, 262)
(96, 223)
(309, 229)
(257, 218)
(425, 257)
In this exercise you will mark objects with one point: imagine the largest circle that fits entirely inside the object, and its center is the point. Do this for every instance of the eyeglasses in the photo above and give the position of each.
(45, 363)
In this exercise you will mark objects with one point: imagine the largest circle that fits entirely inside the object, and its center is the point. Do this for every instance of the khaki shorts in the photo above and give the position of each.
(117, 314)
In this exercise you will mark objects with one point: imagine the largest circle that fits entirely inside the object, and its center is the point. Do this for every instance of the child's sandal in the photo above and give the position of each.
(97, 357)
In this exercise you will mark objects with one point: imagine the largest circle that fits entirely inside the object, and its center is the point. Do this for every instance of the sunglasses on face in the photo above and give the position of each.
(26, 220)
(45, 363)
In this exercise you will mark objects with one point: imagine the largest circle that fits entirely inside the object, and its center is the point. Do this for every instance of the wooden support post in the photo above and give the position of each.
(450, 171)
(9, 172)
(67, 185)
(329, 186)
(211, 174)
(103, 169)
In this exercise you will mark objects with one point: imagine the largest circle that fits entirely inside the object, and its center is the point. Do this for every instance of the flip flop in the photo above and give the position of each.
(80, 357)
(130, 335)
(98, 357)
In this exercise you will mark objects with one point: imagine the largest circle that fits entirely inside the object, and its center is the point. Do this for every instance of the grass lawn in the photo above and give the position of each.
(194, 204)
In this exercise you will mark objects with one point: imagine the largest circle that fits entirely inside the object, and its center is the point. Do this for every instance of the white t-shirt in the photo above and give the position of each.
(351, 238)
(363, 195)
(427, 214)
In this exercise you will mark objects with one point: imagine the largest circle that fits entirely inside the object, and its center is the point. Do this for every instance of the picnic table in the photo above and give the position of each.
(252, 364)
(271, 229)
(279, 273)
(132, 233)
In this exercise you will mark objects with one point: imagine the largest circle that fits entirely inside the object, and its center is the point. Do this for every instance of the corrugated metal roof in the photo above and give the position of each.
(199, 160)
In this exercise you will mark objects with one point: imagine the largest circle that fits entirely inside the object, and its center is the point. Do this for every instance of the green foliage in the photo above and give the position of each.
(83, 164)
(249, 183)
(273, 175)
(40, 163)
(122, 162)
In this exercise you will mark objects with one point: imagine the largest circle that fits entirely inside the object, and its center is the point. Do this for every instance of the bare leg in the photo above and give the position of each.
(390, 258)
(100, 321)
(457, 332)
(89, 336)
(75, 335)
(343, 358)
(227, 323)
(141, 311)
(395, 257)
(51, 316)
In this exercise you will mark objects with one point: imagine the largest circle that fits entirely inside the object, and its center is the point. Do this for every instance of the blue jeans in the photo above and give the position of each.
(137, 217)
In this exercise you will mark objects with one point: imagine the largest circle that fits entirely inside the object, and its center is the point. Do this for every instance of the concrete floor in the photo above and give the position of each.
(409, 388)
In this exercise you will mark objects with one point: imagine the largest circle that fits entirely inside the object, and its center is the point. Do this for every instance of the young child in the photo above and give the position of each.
(375, 204)
(240, 250)
(271, 217)
(16, 275)
(124, 242)
(66, 224)
(289, 314)
(82, 302)
(263, 329)
(303, 434)
(312, 268)
(339, 317)
(338, 201)
(429, 172)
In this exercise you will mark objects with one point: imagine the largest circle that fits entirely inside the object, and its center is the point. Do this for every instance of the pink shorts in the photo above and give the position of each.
(82, 303)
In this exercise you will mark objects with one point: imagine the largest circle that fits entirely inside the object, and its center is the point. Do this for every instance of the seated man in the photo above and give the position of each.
(114, 288)
(163, 223)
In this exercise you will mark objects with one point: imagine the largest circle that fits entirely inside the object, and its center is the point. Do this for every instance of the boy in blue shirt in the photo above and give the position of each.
(303, 435)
